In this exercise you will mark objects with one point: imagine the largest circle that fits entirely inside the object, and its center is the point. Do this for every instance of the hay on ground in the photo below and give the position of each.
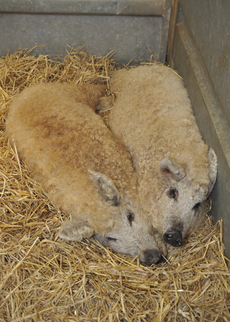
(44, 278)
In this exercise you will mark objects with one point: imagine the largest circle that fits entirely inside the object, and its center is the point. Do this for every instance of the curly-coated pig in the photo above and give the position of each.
(152, 115)
(81, 166)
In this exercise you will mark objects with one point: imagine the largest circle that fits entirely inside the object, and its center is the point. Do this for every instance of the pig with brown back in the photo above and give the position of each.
(176, 172)
(81, 166)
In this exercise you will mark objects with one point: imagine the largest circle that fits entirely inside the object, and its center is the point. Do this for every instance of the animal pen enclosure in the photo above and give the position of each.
(43, 278)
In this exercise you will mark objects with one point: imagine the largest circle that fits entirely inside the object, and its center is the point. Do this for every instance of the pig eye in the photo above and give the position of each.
(197, 206)
(130, 217)
(112, 239)
(173, 194)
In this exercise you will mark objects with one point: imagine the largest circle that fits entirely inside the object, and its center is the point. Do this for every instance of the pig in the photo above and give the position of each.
(152, 115)
(84, 170)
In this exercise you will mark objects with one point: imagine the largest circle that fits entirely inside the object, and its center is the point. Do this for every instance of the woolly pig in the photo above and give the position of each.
(83, 169)
(152, 115)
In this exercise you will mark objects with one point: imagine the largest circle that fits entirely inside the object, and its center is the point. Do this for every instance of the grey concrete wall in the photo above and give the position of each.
(201, 55)
(126, 27)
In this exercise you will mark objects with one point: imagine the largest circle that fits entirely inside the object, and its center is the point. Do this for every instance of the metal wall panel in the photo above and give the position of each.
(199, 51)
(126, 27)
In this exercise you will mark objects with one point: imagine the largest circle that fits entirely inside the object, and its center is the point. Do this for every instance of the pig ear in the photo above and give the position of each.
(75, 230)
(106, 187)
(212, 168)
(171, 170)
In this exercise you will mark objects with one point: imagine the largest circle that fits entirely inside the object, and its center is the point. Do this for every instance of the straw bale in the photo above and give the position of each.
(44, 278)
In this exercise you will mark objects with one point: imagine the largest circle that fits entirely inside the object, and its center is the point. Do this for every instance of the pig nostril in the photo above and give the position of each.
(168, 236)
(161, 260)
(179, 242)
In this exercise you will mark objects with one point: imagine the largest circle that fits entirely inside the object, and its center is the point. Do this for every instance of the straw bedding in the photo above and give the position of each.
(44, 278)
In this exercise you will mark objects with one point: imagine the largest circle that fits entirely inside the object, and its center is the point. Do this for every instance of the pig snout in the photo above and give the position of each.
(151, 256)
(173, 237)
